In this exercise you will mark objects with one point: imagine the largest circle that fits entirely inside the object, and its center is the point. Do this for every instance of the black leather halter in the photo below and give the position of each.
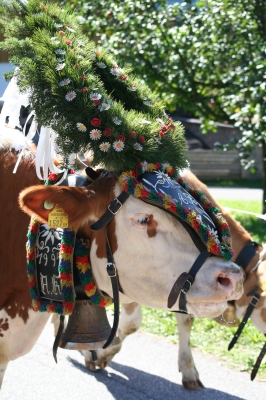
(182, 284)
(107, 217)
(243, 259)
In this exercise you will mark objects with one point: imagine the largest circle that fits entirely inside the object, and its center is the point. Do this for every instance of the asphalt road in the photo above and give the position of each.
(145, 369)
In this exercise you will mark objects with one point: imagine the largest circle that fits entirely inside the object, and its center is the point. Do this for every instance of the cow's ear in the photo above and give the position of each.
(39, 202)
(261, 274)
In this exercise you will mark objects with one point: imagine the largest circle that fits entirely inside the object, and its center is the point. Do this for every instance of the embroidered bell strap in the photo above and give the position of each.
(72, 251)
(253, 302)
(65, 266)
(258, 362)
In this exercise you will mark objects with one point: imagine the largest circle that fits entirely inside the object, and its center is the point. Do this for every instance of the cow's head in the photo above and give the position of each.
(151, 248)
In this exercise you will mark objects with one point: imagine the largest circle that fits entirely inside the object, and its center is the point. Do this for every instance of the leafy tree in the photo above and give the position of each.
(207, 58)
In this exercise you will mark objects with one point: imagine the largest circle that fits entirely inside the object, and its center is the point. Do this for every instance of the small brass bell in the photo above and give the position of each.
(87, 328)
(228, 318)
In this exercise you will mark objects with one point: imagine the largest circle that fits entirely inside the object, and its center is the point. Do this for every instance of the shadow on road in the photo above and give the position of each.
(128, 383)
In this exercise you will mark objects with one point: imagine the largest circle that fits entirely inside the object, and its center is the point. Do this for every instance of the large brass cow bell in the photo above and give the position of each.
(87, 329)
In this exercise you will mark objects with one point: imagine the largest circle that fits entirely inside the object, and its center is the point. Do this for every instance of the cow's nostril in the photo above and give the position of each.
(224, 281)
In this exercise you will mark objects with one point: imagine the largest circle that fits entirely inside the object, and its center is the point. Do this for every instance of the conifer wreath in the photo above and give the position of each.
(80, 92)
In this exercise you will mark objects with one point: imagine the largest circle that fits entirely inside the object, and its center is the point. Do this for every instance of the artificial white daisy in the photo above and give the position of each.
(54, 40)
(70, 29)
(58, 25)
(138, 146)
(145, 121)
(65, 82)
(118, 145)
(104, 146)
(147, 103)
(95, 96)
(81, 127)
(60, 60)
(101, 65)
(60, 51)
(115, 71)
(104, 107)
(95, 134)
(70, 95)
(59, 67)
(117, 121)
(132, 88)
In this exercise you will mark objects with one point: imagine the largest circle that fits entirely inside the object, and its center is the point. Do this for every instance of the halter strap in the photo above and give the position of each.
(253, 302)
(111, 211)
(246, 254)
(184, 282)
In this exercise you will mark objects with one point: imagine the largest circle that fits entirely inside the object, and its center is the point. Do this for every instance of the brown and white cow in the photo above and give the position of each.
(148, 264)
(255, 274)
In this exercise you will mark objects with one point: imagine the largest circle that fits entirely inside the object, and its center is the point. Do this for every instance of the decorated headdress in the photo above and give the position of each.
(89, 103)
(80, 92)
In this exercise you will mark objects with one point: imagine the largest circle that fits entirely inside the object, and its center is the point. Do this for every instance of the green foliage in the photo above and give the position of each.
(80, 92)
(208, 58)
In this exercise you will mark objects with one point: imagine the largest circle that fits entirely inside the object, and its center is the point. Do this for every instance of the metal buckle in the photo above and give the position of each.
(117, 202)
(111, 269)
(256, 300)
(184, 290)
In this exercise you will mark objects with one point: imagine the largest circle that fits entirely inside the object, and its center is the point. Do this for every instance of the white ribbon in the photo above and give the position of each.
(261, 216)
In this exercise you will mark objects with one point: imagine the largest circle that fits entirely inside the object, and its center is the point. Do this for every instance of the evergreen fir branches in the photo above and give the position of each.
(83, 95)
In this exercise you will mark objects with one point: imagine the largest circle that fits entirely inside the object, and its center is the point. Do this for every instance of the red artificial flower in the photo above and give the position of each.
(44, 8)
(61, 32)
(97, 53)
(96, 102)
(107, 132)
(68, 42)
(52, 177)
(161, 133)
(84, 89)
(123, 77)
(96, 122)
(142, 139)
(121, 137)
(83, 77)
(133, 134)
(164, 128)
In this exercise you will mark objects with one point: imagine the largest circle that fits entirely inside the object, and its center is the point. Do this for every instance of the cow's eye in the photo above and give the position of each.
(140, 220)
(143, 220)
